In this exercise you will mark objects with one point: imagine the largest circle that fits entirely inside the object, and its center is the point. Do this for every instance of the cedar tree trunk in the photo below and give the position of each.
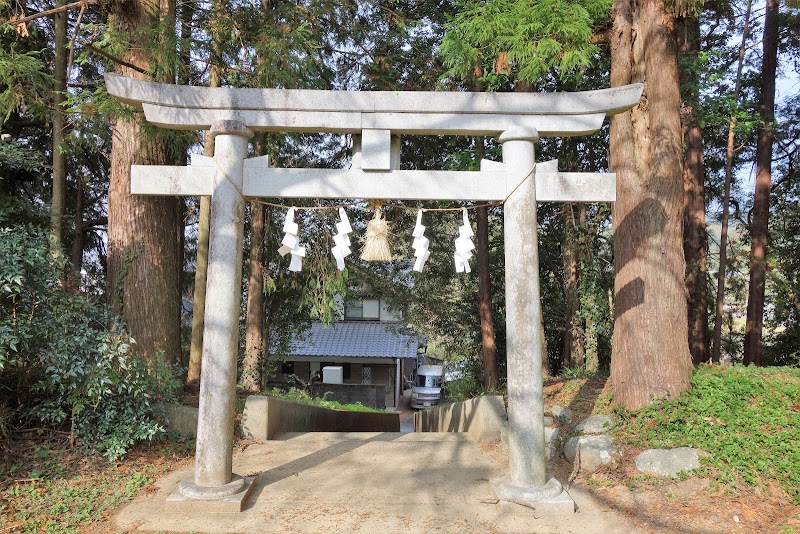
(251, 366)
(143, 255)
(59, 130)
(76, 251)
(694, 203)
(201, 262)
(650, 356)
(572, 253)
(489, 351)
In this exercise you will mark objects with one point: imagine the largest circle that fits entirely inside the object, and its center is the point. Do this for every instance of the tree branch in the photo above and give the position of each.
(115, 59)
(81, 4)
(93, 223)
(602, 36)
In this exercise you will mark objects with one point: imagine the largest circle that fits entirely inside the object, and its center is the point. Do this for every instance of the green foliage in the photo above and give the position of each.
(499, 40)
(302, 397)
(468, 385)
(24, 83)
(64, 359)
(782, 321)
(577, 372)
(746, 418)
(15, 159)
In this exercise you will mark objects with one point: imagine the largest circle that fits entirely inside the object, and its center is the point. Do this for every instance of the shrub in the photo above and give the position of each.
(64, 360)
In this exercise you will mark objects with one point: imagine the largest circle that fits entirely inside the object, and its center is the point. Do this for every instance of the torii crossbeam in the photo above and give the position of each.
(375, 119)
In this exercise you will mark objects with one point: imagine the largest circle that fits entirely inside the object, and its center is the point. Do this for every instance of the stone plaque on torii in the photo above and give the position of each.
(376, 119)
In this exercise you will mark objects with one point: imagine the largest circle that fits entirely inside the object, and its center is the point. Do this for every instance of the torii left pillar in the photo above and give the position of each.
(214, 483)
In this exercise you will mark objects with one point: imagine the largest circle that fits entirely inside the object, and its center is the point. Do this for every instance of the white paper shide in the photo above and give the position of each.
(291, 242)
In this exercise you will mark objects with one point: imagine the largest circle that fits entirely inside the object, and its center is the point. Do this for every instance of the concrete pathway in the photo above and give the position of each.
(370, 483)
(406, 413)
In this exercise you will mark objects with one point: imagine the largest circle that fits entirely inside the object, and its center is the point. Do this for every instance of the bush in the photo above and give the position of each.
(64, 360)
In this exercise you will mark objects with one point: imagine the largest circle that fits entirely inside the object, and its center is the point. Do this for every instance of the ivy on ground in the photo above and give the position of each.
(746, 418)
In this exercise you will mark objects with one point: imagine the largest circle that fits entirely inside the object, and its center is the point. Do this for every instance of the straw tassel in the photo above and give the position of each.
(376, 245)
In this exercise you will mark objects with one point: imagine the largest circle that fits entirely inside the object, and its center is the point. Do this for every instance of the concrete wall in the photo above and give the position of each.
(266, 417)
(373, 396)
(181, 419)
(483, 418)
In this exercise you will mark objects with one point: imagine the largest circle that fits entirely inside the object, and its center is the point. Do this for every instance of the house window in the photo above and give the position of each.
(287, 368)
(363, 310)
(314, 369)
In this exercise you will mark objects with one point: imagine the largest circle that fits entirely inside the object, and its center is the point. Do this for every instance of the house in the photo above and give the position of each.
(371, 344)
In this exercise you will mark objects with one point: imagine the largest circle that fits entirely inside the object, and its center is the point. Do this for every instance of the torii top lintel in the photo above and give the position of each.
(401, 112)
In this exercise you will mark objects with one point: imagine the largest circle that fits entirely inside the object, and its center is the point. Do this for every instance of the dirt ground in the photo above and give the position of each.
(338, 483)
(371, 482)
(375, 482)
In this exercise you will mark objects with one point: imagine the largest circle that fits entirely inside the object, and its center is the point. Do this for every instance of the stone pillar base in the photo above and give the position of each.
(551, 498)
(229, 498)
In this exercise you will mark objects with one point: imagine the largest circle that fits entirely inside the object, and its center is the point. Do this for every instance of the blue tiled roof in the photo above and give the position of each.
(356, 339)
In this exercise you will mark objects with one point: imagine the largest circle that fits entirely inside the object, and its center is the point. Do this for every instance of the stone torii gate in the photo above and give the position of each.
(375, 119)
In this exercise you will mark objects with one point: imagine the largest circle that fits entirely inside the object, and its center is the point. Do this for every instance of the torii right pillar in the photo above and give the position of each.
(527, 483)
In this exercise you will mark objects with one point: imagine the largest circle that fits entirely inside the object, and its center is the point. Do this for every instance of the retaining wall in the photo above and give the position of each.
(266, 417)
(483, 418)
(182, 419)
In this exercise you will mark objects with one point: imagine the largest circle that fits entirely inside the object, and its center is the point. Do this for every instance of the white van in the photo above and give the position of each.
(427, 388)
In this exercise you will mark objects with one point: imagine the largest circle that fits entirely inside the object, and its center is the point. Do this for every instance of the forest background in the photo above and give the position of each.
(706, 228)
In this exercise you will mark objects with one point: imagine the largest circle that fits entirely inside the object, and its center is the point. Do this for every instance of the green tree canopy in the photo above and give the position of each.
(497, 40)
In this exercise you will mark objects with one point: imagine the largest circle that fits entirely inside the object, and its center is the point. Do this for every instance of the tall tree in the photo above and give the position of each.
(760, 226)
(650, 357)
(694, 199)
(504, 42)
(719, 308)
(58, 199)
(143, 255)
(488, 345)
(201, 262)
(254, 324)
(488, 342)
(572, 251)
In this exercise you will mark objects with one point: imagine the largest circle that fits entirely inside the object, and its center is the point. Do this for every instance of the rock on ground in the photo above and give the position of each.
(596, 424)
(551, 436)
(596, 451)
(667, 462)
(564, 415)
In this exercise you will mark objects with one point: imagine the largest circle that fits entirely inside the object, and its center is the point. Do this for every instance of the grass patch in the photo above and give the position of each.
(746, 418)
(60, 489)
(65, 505)
(298, 395)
